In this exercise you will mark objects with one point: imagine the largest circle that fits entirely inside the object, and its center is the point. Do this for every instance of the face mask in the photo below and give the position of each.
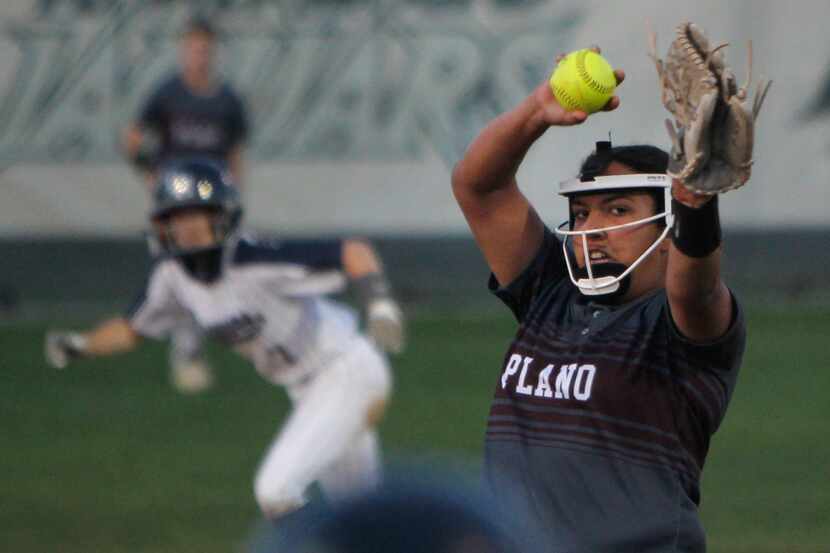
(608, 278)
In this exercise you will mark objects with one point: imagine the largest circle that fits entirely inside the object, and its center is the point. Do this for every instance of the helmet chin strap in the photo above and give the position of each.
(605, 285)
(603, 281)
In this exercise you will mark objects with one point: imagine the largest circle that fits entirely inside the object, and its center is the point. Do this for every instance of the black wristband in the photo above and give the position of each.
(696, 231)
(371, 287)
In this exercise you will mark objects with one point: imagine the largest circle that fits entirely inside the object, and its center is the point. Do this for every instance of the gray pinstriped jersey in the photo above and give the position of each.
(602, 417)
(268, 305)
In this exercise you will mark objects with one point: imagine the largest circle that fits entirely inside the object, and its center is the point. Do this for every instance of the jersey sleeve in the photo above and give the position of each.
(155, 311)
(548, 267)
(317, 255)
(710, 368)
(296, 267)
(151, 114)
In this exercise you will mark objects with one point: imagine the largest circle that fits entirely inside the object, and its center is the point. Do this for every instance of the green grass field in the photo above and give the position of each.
(107, 457)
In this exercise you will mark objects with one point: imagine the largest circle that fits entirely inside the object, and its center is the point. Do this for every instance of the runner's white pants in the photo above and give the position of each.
(329, 436)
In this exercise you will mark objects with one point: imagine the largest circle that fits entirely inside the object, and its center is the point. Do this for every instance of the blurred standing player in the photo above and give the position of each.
(265, 301)
(628, 347)
(191, 113)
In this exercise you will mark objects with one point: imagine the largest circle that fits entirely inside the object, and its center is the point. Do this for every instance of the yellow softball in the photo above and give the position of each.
(583, 80)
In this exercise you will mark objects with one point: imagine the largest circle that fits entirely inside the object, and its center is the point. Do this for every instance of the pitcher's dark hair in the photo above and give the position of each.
(643, 158)
(199, 24)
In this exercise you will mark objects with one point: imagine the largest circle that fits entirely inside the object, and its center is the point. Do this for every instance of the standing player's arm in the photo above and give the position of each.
(133, 137)
(236, 163)
(151, 117)
(108, 338)
(507, 229)
(363, 267)
(237, 128)
(132, 142)
(700, 302)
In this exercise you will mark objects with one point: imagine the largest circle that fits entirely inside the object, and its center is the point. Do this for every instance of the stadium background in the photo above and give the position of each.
(359, 110)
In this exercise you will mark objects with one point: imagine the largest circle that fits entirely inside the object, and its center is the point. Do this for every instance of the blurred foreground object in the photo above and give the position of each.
(407, 515)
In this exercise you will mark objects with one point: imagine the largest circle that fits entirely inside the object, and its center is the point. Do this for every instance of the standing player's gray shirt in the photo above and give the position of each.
(191, 124)
(602, 417)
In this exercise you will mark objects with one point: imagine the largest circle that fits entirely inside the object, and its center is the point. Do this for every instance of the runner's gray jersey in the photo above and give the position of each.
(268, 305)
(602, 416)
